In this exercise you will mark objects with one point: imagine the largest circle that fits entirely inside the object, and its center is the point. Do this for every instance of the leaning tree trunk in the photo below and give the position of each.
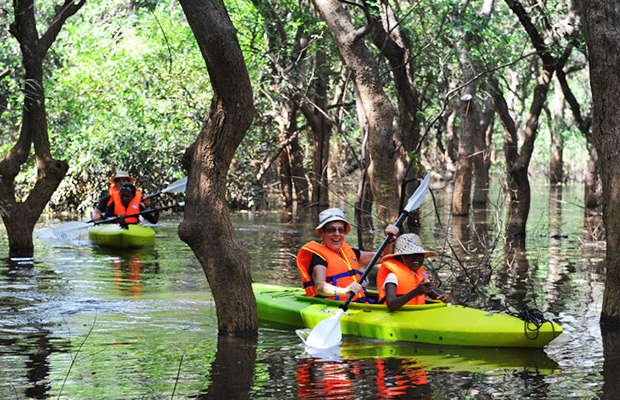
(20, 217)
(518, 160)
(377, 106)
(206, 227)
(601, 19)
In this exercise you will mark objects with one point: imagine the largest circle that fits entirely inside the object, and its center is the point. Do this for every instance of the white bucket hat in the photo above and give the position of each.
(122, 174)
(409, 243)
(331, 215)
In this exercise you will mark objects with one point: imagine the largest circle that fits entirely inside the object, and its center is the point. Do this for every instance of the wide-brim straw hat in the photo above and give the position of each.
(331, 215)
(409, 243)
(122, 174)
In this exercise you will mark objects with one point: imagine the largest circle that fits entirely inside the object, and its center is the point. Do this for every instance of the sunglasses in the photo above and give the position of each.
(332, 230)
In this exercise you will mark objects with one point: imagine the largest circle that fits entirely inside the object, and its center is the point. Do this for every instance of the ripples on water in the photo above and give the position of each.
(86, 323)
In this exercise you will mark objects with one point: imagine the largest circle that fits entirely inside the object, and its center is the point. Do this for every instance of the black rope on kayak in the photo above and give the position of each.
(532, 316)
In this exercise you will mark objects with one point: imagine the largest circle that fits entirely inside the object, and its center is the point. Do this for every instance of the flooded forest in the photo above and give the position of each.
(227, 127)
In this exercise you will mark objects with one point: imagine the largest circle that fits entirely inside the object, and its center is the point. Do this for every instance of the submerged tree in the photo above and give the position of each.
(601, 19)
(20, 215)
(207, 228)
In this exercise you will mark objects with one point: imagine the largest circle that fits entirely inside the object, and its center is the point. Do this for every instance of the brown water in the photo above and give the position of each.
(78, 322)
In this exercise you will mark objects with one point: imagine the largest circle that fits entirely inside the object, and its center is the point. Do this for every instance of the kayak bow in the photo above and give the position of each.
(113, 236)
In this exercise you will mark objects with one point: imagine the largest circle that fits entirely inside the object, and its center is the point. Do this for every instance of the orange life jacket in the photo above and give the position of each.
(133, 208)
(342, 269)
(407, 280)
(115, 191)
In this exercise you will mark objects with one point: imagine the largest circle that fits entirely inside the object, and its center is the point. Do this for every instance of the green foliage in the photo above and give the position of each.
(129, 94)
(127, 87)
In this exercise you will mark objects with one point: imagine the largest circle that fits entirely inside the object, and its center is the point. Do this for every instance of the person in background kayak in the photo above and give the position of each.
(331, 269)
(120, 178)
(128, 202)
(402, 279)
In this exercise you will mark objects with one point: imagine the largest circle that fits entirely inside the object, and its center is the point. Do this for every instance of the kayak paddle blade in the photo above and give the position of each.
(418, 197)
(177, 186)
(326, 333)
(70, 230)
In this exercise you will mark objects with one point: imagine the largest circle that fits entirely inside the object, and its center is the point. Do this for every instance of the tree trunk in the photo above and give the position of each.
(592, 186)
(206, 227)
(321, 127)
(300, 183)
(285, 53)
(461, 195)
(601, 19)
(377, 106)
(393, 42)
(284, 174)
(363, 205)
(556, 163)
(284, 164)
(472, 129)
(20, 217)
(481, 159)
(518, 160)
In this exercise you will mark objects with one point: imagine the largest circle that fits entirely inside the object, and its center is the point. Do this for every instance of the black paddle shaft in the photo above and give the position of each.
(386, 241)
(110, 220)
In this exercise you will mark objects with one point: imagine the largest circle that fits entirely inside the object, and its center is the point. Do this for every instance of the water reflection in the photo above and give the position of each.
(369, 369)
(156, 336)
(232, 372)
(26, 341)
(128, 266)
(611, 350)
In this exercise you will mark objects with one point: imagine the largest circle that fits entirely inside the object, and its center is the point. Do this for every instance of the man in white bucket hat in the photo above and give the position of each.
(118, 180)
(331, 269)
(402, 279)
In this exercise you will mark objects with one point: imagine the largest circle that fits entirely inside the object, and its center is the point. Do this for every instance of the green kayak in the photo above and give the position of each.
(435, 323)
(113, 236)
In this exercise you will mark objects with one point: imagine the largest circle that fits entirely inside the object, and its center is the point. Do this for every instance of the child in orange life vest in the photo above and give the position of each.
(332, 269)
(402, 280)
(128, 202)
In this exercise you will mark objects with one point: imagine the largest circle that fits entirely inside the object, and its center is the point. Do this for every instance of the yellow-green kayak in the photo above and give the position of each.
(114, 236)
(434, 323)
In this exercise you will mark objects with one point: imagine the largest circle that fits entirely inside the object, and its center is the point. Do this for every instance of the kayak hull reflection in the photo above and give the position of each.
(435, 323)
(113, 236)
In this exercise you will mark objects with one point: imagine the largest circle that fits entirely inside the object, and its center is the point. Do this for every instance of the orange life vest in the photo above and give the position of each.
(116, 191)
(133, 208)
(342, 269)
(407, 279)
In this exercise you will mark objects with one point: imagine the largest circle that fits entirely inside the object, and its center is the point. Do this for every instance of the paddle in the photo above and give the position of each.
(71, 230)
(328, 333)
(175, 187)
